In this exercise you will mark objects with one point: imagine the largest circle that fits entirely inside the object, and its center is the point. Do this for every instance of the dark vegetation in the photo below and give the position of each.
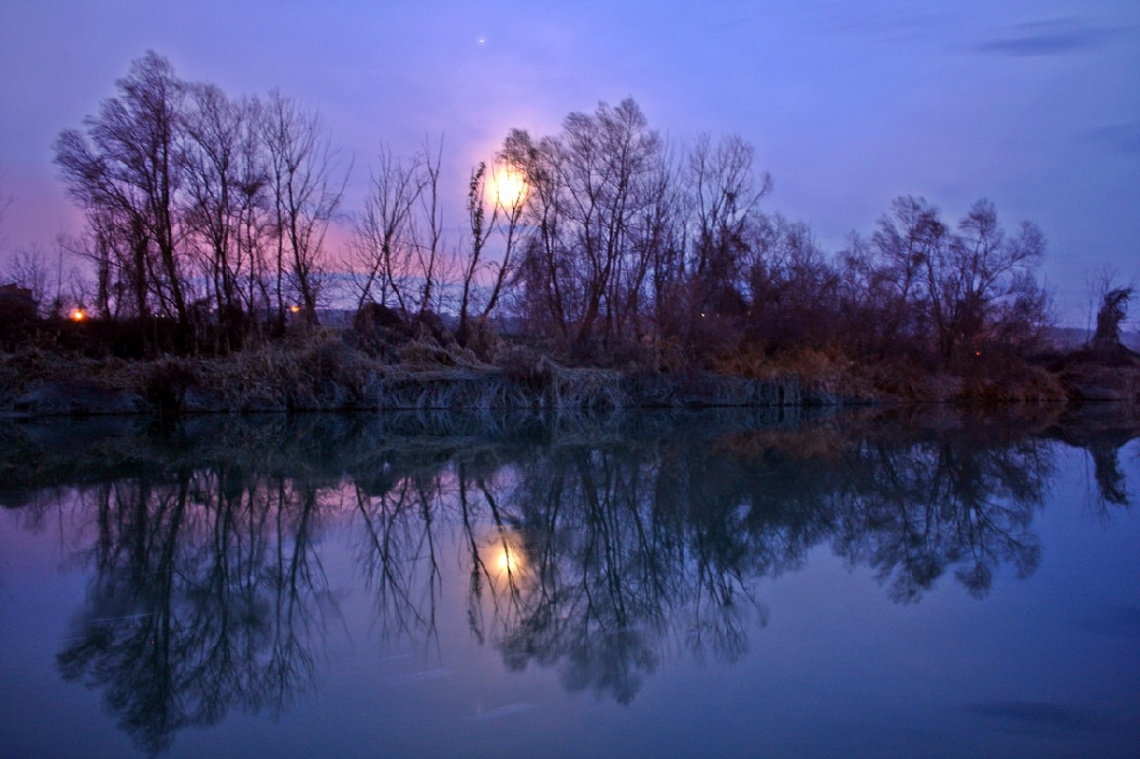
(600, 248)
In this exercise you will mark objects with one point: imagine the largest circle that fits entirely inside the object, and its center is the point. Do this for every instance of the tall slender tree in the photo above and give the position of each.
(125, 169)
(307, 187)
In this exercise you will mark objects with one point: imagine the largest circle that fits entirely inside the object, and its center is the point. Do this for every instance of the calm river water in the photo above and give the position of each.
(654, 585)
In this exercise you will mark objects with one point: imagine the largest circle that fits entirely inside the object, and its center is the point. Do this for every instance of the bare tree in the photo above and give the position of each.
(125, 170)
(227, 177)
(952, 292)
(384, 236)
(120, 276)
(544, 298)
(398, 251)
(306, 188)
(253, 226)
(654, 289)
(589, 189)
(31, 268)
(607, 157)
(793, 291)
(506, 197)
(480, 228)
(983, 270)
(910, 246)
(725, 194)
(429, 237)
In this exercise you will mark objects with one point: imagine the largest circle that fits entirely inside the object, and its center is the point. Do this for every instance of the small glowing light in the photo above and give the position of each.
(977, 353)
(295, 309)
(78, 314)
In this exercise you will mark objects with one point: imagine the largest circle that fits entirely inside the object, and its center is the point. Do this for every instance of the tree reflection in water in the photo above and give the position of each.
(598, 550)
(207, 594)
(964, 501)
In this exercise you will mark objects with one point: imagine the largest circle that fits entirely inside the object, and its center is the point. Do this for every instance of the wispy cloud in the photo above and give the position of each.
(1045, 38)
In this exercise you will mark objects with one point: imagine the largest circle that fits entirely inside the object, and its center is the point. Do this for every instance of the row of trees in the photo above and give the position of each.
(610, 244)
(918, 282)
(211, 213)
(199, 204)
(632, 243)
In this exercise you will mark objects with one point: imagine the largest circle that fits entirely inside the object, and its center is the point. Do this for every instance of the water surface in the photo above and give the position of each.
(715, 583)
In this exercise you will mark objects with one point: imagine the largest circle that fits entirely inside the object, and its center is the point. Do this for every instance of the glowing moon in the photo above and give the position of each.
(509, 561)
(507, 558)
(509, 188)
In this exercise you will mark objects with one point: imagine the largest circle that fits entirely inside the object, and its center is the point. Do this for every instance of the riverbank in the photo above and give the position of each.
(325, 373)
(42, 453)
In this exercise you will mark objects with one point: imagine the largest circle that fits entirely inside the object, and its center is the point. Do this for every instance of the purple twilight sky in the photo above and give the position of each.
(1034, 104)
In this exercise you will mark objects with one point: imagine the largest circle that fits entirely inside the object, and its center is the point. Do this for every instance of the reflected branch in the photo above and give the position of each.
(207, 595)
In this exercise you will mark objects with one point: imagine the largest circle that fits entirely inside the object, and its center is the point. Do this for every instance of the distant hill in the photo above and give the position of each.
(1069, 338)
(1073, 338)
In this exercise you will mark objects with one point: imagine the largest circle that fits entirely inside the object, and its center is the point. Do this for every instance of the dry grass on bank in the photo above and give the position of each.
(821, 371)
(317, 369)
(901, 378)
(34, 365)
